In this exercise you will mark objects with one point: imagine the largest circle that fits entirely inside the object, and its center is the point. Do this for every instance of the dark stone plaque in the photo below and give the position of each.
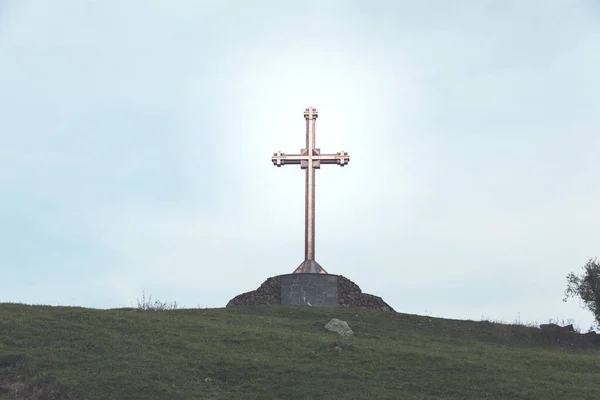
(318, 290)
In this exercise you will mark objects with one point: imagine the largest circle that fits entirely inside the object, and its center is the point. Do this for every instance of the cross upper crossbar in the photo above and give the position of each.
(341, 158)
(310, 159)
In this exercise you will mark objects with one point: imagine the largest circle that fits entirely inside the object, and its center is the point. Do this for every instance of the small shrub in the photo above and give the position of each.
(156, 305)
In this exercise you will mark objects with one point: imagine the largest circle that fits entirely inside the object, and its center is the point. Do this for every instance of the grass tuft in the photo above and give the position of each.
(156, 305)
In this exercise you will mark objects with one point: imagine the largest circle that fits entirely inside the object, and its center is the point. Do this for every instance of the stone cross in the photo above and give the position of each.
(310, 159)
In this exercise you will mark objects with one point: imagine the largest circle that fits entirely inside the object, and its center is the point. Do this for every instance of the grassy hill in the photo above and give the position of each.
(272, 353)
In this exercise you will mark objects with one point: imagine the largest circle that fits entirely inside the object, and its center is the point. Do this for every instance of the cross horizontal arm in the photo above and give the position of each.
(342, 158)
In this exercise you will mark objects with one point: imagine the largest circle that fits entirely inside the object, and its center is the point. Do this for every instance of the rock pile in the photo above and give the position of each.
(349, 295)
(268, 293)
(566, 335)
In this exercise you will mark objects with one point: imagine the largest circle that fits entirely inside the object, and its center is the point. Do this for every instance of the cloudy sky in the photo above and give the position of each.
(136, 139)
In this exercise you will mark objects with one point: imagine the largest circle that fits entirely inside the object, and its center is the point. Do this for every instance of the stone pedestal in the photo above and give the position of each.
(316, 290)
(320, 290)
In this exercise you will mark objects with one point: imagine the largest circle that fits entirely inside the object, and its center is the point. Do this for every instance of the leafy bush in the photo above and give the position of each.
(587, 287)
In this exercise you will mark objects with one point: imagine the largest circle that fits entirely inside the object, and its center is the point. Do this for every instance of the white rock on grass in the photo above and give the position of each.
(340, 327)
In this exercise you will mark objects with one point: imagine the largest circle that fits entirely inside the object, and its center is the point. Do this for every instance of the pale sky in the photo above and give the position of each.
(136, 139)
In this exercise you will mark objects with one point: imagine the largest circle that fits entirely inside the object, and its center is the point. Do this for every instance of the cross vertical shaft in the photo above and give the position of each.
(309, 203)
(310, 159)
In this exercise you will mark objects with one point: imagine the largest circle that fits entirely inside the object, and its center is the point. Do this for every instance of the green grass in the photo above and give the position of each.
(265, 353)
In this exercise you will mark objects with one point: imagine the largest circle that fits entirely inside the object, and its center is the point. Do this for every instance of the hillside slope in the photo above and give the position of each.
(272, 352)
